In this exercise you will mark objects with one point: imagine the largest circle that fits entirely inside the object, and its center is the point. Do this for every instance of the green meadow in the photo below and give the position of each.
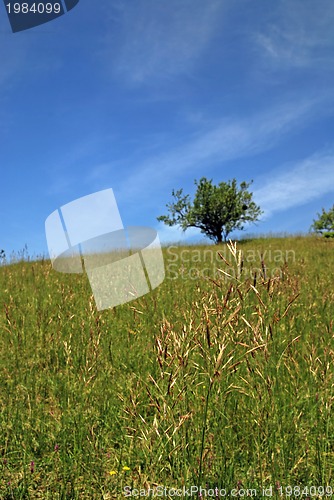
(221, 378)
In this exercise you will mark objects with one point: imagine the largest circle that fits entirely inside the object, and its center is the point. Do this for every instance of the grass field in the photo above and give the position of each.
(221, 378)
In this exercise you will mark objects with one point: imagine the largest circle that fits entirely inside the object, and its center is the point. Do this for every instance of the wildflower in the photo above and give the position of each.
(32, 467)
(56, 447)
(125, 468)
(112, 472)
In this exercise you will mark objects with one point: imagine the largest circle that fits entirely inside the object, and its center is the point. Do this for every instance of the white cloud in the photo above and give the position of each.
(298, 184)
(228, 140)
(174, 234)
(162, 39)
(300, 36)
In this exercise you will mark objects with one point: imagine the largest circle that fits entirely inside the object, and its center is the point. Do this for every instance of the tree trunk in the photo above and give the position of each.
(225, 233)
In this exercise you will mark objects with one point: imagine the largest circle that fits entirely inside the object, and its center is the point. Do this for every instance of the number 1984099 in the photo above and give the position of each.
(35, 8)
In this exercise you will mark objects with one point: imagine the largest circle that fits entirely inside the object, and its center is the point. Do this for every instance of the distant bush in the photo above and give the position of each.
(325, 223)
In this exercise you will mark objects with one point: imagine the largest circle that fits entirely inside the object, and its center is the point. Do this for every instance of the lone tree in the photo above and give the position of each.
(325, 223)
(216, 210)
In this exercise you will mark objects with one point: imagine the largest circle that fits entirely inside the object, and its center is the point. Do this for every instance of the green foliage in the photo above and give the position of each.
(325, 223)
(216, 210)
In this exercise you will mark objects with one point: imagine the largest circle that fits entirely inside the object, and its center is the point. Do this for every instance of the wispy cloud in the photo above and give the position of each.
(300, 36)
(228, 140)
(174, 234)
(298, 184)
(159, 40)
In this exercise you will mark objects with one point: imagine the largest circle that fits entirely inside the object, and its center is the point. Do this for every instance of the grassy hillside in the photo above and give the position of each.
(222, 377)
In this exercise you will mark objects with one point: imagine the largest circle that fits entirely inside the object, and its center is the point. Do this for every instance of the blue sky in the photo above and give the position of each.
(144, 96)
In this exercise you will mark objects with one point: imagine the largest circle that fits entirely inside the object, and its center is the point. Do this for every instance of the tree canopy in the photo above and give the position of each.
(217, 210)
(325, 223)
